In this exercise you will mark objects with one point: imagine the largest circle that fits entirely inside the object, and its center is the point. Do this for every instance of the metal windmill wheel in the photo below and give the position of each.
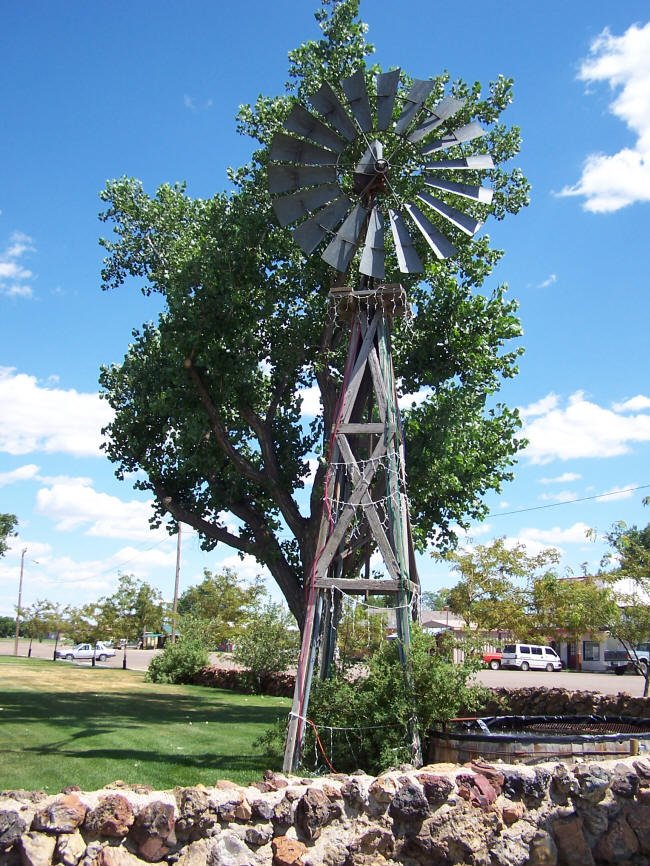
(339, 177)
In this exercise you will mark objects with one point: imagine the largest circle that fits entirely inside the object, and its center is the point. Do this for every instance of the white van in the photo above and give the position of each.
(528, 656)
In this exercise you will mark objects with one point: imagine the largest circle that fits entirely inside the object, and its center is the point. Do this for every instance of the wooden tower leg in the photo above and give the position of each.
(365, 501)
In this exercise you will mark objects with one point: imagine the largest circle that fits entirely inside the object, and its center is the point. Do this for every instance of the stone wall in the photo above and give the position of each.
(479, 814)
(538, 701)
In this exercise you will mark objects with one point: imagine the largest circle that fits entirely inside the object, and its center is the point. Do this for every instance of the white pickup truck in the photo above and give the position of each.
(101, 652)
(621, 660)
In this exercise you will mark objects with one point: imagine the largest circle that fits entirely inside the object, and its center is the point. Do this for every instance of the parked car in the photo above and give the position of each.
(493, 659)
(526, 656)
(101, 651)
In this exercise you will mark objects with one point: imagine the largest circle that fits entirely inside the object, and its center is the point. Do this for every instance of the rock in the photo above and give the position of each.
(153, 831)
(436, 788)
(377, 840)
(572, 846)
(262, 809)
(511, 812)
(195, 854)
(274, 781)
(563, 785)
(287, 852)
(618, 843)
(409, 805)
(196, 816)
(354, 795)
(70, 848)
(235, 809)
(521, 784)
(595, 817)
(593, 783)
(638, 817)
(258, 835)
(624, 782)
(116, 855)
(37, 848)
(383, 789)
(283, 813)
(543, 850)
(312, 814)
(494, 776)
(63, 815)
(12, 826)
(228, 849)
(112, 817)
(476, 789)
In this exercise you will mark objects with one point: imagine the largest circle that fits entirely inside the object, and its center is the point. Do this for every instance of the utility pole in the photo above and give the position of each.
(176, 582)
(20, 599)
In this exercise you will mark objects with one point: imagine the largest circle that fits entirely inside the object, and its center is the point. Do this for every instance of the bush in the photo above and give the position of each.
(366, 723)
(266, 646)
(180, 662)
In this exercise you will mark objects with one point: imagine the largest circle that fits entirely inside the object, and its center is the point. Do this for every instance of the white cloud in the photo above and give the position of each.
(15, 277)
(552, 278)
(617, 493)
(22, 473)
(634, 404)
(560, 496)
(247, 567)
(40, 418)
(75, 506)
(537, 539)
(581, 429)
(564, 478)
(609, 182)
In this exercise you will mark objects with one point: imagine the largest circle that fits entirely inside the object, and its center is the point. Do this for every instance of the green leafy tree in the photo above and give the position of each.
(8, 524)
(7, 626)
(359, 633)
(627, 570)
(568, 608)
(134, 608)
(207, 400)
(40, 620)
(267, 645)
(437, 600)
(492, 592)
(182, 659)
(223, 602)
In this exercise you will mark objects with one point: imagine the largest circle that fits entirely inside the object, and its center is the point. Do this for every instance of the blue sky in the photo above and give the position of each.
(95, 91)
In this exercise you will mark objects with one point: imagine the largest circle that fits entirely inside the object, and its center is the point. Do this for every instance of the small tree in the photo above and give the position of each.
(8, 524)
(181, 660)
(267, 645)
(134, 608)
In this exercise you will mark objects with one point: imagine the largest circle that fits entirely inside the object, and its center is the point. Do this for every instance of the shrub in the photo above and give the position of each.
(179, 662)
(266, 646)
(366, 723)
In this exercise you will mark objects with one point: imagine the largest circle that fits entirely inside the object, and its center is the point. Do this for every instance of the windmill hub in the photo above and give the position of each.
(382, 166)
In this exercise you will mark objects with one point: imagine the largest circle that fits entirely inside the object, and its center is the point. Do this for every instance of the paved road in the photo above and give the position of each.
(607, 683)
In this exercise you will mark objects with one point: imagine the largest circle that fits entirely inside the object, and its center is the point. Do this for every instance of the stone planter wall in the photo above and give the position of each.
(563, 702)
(479, 814)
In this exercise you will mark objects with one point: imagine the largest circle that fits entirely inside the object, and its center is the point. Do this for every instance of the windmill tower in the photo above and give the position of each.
(339, 176)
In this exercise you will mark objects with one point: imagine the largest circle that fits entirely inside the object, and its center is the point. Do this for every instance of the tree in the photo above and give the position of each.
(41, 619)
(8, 524)
(134, 608)
(568, 608)
(222, 602)
(493, 592)
(207, 401)
(627, 570)
(267, 645)
(437, 600)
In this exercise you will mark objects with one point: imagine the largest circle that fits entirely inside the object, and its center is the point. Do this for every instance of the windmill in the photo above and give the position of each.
(359, 161)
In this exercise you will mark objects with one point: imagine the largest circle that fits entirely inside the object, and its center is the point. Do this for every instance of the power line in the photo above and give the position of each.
(571, 501)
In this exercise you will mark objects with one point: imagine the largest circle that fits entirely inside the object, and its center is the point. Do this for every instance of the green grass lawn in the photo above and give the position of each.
(66, 725)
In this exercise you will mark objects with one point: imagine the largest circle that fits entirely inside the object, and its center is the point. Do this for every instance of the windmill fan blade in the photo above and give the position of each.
(414, 100)
(285, 148)
(477, 193)
(463, 133)
(312, 231)
(461, 220)
(356, 94)
(290, 208)
(372, 258)
(443, 111)
(303, 123)
(342, 247)
(387, 84)
(478, 162)
(367, 162)
(283, 178)
(407, 256)
(328, 104)
(440, 245)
